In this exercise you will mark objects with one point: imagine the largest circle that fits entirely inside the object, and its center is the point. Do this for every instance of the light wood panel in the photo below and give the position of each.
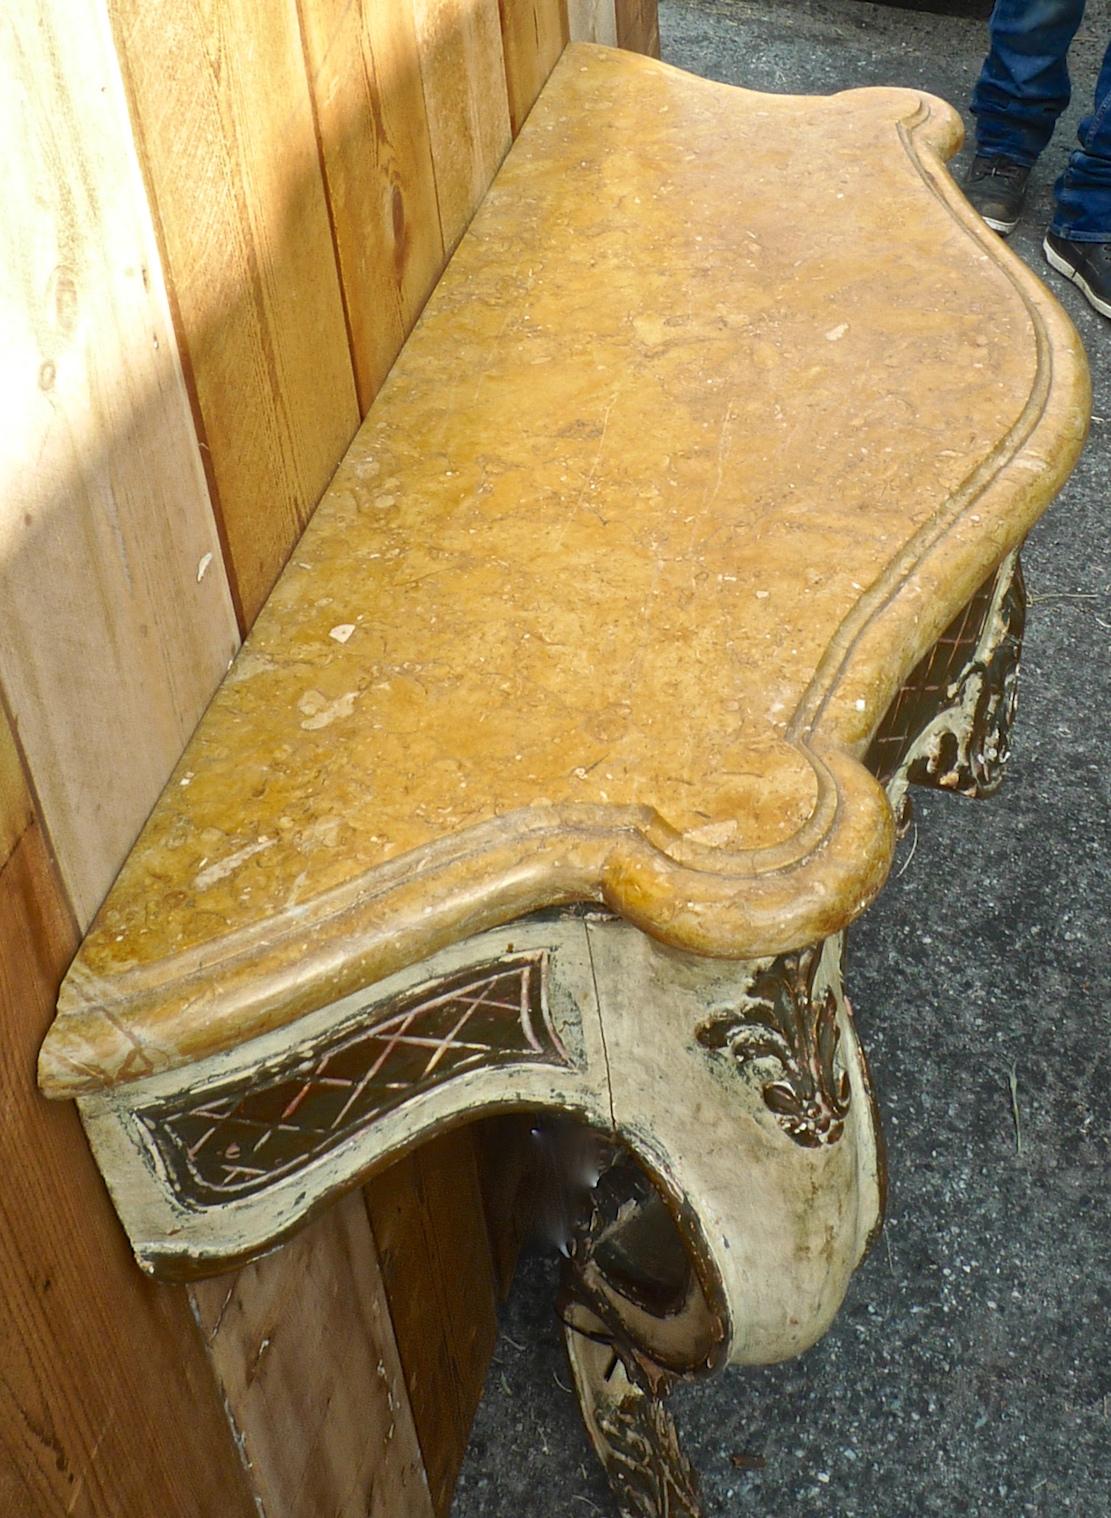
(365, 76)
(221, 106)
(638, 26)
(592, 21)
(463, 76)
(426, 1214)
(107, 1407)
(534, 33)
(116, 622)
(304, 1349)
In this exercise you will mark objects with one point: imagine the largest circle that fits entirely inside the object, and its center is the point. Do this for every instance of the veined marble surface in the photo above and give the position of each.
(724, 407)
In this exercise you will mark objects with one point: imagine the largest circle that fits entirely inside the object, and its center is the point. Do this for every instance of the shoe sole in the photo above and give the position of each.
(1004, 228)
(1055, 261)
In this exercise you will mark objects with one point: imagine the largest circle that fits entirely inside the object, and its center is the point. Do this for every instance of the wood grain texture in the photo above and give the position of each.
(534, 33)
(592, 21)
(304, 1350)
(463, 77)
(107, 1407)
(116, 621)
(424, 1211)
(638, 26)
(365, 77)
(16, 808)
(221, 105)
(508, 1173)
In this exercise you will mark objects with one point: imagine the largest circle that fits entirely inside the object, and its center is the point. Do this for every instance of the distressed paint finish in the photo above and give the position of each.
(949, 726)
(437, 786)
(226, 1141)
(428, 734)
(310, 1167)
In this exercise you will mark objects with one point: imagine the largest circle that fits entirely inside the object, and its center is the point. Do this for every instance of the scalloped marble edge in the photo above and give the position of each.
(701, 899)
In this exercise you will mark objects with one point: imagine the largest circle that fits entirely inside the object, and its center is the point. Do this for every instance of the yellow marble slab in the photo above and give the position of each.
(724, 407)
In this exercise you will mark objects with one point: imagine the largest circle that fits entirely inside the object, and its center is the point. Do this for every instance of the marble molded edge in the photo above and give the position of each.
(702, 899)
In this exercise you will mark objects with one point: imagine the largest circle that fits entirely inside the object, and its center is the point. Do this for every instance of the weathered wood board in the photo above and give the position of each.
(223, 116)
(304, 1348)
(107, 1406)
(116, 623)
(445, 1332)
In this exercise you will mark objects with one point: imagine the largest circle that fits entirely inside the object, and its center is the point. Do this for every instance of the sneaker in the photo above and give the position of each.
(996, 188)
(1087, 264)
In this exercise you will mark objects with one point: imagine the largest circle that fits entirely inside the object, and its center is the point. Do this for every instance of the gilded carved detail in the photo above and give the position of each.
(786, 1021)
(949, 726)
(648, 1471)
(243, 1133)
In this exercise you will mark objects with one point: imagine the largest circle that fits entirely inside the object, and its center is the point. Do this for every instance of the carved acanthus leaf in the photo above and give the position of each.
(786, 1022)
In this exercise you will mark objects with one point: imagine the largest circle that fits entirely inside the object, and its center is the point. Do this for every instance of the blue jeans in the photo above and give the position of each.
(1022, 90)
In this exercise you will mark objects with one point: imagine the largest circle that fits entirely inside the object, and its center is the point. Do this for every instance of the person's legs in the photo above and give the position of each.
(1078, 243)
(1083, 191)
(1024, 83)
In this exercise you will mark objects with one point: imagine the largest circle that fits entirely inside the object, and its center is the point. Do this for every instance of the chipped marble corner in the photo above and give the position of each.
(949, 726)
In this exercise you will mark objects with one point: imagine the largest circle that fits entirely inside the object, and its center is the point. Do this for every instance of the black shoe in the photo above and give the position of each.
(1087, 264)
(996, 187)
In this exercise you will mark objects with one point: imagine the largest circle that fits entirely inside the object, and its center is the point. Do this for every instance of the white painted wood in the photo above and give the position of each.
(115, 619)
(785, 1225)
(167, 1236)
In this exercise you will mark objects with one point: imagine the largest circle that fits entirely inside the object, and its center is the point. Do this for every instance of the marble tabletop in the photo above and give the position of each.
(724, 407)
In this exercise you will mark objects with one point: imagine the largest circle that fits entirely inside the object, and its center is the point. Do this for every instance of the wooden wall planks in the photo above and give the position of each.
(534, 33)
(638, 26)
(116, 622)
(107, 1407)
(221, 107)
(365, 77)
(16, 808)
(463, 74)
(593, 21)
(304, 1348)
(446, 1331)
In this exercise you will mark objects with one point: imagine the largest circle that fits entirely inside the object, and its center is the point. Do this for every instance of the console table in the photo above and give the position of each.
(681, 540)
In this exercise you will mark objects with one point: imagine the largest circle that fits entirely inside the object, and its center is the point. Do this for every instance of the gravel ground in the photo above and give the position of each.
(969, 1371)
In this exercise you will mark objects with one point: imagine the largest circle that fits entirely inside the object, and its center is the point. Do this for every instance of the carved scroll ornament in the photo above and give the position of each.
(785, 1021)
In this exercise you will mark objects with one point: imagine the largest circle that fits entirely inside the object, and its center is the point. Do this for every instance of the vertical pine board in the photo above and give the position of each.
(16, 811)
(463, 77)
(115, 618)
(220, 100)
(592, 21)
(533, 33)
(638, 26)
(508, 1174)
(364, 74)
(107, 1405)
(426, 1214)
(303, 1347)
